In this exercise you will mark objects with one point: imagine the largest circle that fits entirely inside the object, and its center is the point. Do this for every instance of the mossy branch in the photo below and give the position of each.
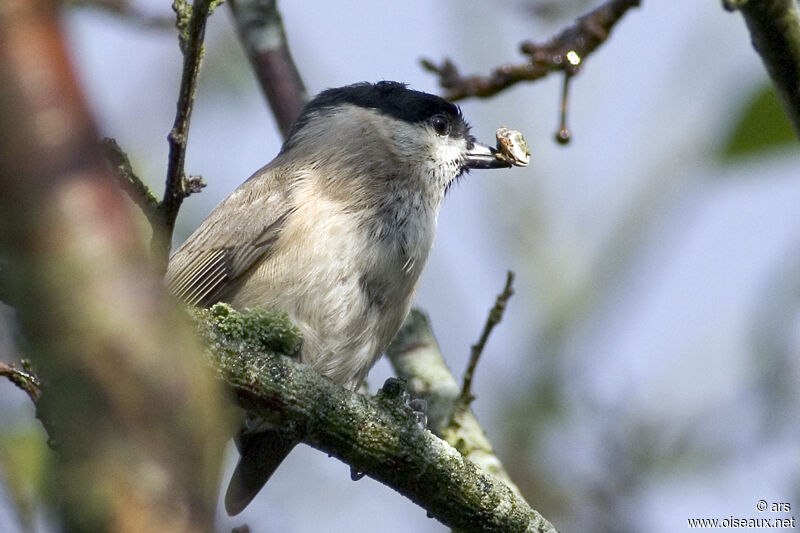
(375, 436)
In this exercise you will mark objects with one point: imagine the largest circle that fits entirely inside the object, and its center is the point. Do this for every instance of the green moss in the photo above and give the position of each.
(183, 14)
(253, 330)
(214, 4)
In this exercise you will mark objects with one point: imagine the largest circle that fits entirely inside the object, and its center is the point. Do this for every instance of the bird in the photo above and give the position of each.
(335, 232)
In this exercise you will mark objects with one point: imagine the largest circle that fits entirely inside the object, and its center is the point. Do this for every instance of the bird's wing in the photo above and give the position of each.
(237, 236)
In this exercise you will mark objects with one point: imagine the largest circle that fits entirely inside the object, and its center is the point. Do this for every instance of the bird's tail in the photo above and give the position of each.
(260, 455)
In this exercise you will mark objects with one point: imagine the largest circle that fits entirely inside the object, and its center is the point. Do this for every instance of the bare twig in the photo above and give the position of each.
(494, 318)
(565, 52)
(775, 31)
(261, 31)
(124, 10)
(140, 193)
(25, 379)
(191, 22)
(562, 134)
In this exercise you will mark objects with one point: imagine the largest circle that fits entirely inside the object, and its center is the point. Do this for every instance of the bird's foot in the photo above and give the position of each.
(397, 388)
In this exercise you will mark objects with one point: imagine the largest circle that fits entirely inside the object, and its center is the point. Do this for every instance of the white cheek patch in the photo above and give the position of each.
(450, 151)
(446, 161)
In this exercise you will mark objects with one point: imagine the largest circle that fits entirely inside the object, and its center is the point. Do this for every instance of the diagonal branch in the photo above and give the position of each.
(24, 379)
(494, 318)
(261, 31)
(775, 31)
(565, 52)
(376, 436)
(138, 192)
(415, 357)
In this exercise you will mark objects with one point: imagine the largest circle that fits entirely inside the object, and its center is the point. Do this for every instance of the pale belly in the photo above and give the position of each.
(348, 299)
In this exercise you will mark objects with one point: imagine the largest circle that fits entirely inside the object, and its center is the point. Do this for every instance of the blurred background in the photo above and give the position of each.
(647, 369)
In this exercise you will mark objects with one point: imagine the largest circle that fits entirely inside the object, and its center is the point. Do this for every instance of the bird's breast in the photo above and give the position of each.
(346, 276)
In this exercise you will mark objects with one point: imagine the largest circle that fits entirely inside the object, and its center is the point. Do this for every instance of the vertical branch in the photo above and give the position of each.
(137, 419)
(261, 31)
(192, 26)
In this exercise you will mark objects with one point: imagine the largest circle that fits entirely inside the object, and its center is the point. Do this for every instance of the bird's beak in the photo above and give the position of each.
(483, 156)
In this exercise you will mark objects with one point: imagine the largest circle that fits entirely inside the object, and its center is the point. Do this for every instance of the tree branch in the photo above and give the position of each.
(415, 357)
(261, 31)
(376, 436)
(117, 360)
(565, 52)
(138, 192)
(191, 22)
(106, 323)
(494, 318)
(24, 379)
(775, 31)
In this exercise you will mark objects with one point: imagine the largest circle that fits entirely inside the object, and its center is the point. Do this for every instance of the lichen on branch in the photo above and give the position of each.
(376, 436)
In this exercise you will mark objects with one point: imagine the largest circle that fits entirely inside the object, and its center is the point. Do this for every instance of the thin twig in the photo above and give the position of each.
(191, 22)
(261, 31)
(140, 193)
(25, 379)
(494, 318)
(563, 134)
(564, 52)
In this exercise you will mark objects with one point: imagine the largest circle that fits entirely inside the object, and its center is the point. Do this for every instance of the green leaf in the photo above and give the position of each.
(24, 457)
(761, 127)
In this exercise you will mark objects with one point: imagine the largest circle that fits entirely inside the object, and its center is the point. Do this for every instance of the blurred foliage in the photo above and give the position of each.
(761, 126)
(24, 459)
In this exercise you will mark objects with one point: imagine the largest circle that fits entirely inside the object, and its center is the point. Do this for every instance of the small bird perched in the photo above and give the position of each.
(334, 231)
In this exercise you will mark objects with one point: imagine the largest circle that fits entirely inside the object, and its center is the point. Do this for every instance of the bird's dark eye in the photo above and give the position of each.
(440, 125)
